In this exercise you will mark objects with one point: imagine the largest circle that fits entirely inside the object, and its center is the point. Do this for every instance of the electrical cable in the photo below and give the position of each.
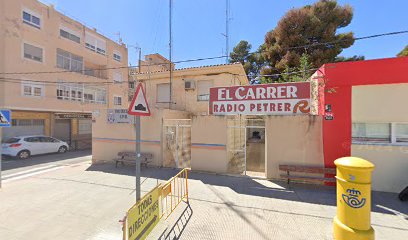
(326, 44)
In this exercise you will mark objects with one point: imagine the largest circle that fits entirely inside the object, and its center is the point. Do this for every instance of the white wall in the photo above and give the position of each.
(382, 104)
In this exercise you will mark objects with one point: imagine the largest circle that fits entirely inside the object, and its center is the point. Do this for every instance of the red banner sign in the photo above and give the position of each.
(263, 99)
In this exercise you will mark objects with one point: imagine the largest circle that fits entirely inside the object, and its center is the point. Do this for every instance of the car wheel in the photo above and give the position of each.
(62, 149)
(25, 154)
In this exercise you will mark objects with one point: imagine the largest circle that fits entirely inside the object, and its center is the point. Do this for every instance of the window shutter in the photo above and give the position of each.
(163, 92)
(203, 87)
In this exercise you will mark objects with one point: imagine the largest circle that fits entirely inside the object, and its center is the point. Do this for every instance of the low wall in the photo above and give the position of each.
(293, 140)
(209, 144)
(109, 139)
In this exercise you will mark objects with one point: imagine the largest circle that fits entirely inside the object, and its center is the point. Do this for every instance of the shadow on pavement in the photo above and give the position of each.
(177, 229)
(13, 163)
(382, 202)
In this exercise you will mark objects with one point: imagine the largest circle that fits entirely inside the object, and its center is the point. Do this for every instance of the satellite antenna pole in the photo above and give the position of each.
(227, 19)
(171, 50)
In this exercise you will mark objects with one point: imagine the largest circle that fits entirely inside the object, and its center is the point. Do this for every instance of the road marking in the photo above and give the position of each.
(4, 161)
(30, 173)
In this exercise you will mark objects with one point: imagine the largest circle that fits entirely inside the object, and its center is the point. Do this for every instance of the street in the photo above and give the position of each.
(65, 197)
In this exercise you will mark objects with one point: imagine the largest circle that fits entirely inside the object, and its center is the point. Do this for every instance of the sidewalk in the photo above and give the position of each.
(241, 208)
(81, 201)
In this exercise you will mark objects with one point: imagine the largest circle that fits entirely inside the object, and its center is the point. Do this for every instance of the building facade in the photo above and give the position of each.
(170, 132)
(55, 72)
(356, 109)
(367, 102)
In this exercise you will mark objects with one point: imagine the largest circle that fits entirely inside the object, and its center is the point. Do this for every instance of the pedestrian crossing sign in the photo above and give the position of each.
(5, 118)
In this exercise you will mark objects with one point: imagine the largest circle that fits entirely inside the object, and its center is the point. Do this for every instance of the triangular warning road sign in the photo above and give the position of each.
(139, 106)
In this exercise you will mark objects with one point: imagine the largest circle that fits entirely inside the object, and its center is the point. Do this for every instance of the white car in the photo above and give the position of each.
(25, 146)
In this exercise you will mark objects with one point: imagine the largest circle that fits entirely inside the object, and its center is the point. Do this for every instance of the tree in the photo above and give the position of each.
(252, 62)
(240, 53)
(349, 59)
(300, 28)
(404, 52)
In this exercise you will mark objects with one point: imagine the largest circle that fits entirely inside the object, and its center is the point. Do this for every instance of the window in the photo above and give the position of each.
(12, 140)
(117, 56)
(203, 90)
(70, 34)
(117, 100)
(81, 93)
(69, 61)
(163, 93)
(32, 89)
(389, 133)
(401, 132)
(32, 139)
(117, 77)
(37, 91)
(371, 132)
(31, 19)
(33, 52)
(46, 139)
(28, 122)
(95, 44)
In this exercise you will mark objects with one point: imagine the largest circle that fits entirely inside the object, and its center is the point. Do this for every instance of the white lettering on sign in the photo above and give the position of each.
(265, 99)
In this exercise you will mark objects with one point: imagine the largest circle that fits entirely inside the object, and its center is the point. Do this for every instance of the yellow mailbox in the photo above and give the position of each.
(352, 221)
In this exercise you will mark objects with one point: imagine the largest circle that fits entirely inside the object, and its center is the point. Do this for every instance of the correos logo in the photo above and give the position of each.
(352, 198)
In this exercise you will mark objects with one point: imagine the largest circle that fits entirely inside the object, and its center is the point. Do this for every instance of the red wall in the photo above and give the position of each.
(339, 79)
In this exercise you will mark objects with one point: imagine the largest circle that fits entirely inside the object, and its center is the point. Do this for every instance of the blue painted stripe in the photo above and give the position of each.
(208, 145)
(127, 140)
(155, 141)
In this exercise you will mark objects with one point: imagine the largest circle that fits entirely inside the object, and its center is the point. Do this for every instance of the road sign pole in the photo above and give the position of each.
(137, 131)
(138, 107)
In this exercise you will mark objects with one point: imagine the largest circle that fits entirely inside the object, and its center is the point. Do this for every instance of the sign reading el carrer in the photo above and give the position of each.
(143, 216)
(262, 99)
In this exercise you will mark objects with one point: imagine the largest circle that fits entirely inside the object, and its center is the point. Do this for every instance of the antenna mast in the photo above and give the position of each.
(171, 49)
(227, 19)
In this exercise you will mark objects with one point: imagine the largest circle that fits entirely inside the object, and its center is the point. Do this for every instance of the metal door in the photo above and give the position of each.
(62, 130)
(25, 127)
(177, 149)
(240, 130)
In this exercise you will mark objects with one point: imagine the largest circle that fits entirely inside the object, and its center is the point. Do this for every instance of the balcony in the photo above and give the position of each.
(75, 63)
(98, 71)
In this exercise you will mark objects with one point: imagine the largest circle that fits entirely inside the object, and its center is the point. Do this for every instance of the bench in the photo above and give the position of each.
(130, 157)
(306, 169)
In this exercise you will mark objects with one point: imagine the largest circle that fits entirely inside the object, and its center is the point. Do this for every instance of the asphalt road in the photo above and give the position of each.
(12, 167)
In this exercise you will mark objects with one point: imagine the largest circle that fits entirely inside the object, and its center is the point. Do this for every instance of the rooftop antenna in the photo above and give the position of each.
(227, 20)
(120, 38)
(171, 48)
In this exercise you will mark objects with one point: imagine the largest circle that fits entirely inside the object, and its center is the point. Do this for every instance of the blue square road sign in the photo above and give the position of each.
(5, 118)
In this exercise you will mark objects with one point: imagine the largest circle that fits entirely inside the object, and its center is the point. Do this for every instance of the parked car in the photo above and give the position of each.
(25, 146)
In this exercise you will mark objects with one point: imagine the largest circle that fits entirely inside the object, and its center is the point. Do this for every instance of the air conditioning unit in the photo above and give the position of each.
(189, 84)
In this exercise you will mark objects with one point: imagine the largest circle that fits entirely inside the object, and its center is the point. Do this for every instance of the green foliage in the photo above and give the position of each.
(252, 62)
(315, 24)
(404, 52)
(349, 59)
(315, 28)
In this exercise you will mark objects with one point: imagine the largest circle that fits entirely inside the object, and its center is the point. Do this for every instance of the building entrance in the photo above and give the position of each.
(177, 143)
(246, 146)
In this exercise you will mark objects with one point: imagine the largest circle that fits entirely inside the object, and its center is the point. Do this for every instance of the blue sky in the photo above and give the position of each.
(198, 24)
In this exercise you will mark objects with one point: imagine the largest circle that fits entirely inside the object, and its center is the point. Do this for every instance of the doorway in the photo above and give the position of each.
(246, 146)
(62, 130)
(177, 143)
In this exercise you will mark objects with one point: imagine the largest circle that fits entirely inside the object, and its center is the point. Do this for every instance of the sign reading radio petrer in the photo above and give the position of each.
(263, 99)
